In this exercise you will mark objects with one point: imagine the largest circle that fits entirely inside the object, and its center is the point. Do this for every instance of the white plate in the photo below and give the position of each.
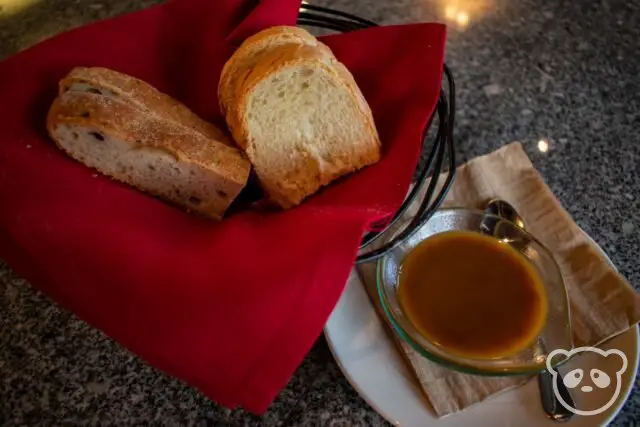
(370, 360)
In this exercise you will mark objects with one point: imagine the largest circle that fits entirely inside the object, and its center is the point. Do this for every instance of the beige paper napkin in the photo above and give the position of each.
(602, 302)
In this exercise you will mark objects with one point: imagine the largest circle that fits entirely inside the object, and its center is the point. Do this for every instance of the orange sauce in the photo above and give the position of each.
(472, 295)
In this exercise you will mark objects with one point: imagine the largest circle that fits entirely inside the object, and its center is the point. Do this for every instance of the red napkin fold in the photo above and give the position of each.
(232, 307)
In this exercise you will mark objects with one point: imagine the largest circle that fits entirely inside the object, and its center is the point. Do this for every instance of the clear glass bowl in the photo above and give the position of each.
(556, 333)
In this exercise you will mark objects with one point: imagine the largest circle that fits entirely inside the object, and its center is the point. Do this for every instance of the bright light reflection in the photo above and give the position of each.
(450, 12)
(543, 146)
(463, 19)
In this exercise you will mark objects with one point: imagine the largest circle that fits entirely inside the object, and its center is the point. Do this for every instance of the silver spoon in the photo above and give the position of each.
(550, 403)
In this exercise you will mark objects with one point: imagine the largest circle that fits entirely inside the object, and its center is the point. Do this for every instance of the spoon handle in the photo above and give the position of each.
(550, 403)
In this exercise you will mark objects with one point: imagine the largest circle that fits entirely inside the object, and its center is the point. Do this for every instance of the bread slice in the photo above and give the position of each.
(248, 55)
(146, 151)
(110, 83)
(303, 122)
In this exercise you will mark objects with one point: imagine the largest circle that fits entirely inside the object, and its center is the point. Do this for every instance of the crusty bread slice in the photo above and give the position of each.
(110, 83)
(233, 116)
(143, 150)
(248, 55)
(303, 122)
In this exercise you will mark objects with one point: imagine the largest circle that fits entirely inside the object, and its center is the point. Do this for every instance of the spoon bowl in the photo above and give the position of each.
(550, 402)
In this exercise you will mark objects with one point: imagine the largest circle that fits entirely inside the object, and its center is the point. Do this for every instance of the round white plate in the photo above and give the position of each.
(368, 357)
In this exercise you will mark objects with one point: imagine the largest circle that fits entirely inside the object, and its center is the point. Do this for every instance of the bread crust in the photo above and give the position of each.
(293, 56)
(127, 122)
(143, 96)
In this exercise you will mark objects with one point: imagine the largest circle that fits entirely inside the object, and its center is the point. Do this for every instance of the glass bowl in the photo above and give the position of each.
(556, 332)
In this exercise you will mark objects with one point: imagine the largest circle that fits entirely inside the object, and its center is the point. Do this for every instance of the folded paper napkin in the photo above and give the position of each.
(230, 307)
(602, 303)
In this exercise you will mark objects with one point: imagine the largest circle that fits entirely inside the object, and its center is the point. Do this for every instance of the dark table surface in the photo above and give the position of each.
(565, 72)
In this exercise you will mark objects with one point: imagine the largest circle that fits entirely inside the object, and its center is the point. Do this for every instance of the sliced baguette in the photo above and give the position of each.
(303, 122)
(154, 155)
(248, 55)
(110, 83)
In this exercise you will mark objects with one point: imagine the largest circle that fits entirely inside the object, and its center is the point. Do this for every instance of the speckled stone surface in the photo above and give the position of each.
(565, 72)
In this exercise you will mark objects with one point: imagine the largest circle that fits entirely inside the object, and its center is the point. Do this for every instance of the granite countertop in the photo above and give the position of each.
(527, 70)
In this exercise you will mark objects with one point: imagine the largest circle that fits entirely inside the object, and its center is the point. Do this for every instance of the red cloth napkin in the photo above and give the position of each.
(231, 307)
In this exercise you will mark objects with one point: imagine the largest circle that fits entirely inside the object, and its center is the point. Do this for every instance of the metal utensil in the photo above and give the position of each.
(550, 403)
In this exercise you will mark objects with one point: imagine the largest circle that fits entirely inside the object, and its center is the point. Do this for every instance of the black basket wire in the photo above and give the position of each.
(442, 147)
